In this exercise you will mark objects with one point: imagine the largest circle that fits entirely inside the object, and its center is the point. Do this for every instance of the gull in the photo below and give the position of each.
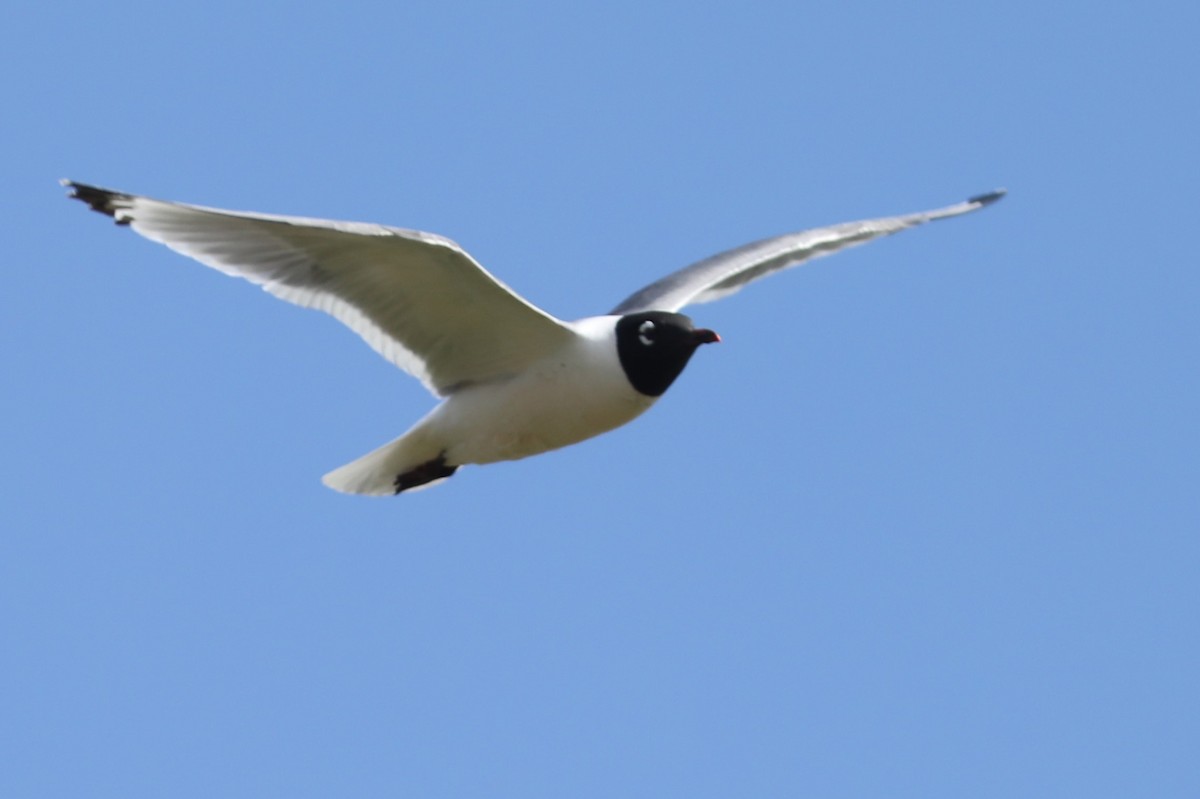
(514, 381)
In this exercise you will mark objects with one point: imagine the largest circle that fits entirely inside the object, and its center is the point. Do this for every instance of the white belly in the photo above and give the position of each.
(557, 403)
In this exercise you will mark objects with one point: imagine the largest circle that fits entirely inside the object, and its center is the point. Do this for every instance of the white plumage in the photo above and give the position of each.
(516, 380)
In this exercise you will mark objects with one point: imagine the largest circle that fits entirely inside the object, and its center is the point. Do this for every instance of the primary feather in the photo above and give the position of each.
(727, 272)
(417, 299)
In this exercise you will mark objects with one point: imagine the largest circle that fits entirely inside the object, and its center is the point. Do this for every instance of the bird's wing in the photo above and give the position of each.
(418, 299)
(727, 272)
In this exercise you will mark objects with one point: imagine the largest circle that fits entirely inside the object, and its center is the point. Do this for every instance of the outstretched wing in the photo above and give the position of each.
(418, 299)
(726, 273)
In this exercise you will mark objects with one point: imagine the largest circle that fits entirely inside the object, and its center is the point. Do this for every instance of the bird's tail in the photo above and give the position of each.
(405, 463)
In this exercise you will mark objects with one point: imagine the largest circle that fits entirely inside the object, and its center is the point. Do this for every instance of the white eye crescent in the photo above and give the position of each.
(646, 333)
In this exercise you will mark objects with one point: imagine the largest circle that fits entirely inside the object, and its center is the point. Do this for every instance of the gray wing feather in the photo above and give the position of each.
(727, 272)
(417, 299)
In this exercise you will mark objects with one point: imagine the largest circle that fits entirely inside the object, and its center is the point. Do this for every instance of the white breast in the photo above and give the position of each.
(578, 393)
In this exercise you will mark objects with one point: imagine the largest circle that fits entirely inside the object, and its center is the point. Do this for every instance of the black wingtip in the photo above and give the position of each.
(988, 198)
(100, 200)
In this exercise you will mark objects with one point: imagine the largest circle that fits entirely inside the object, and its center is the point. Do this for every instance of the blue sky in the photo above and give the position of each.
(924, 524)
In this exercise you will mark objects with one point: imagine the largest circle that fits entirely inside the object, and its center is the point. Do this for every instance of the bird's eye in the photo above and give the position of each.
(646, 333)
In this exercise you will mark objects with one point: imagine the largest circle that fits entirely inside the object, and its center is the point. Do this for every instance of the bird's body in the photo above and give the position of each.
(560, 400)
(514, 380)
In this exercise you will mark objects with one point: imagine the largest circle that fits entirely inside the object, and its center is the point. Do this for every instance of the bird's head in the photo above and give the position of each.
(654, 346)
